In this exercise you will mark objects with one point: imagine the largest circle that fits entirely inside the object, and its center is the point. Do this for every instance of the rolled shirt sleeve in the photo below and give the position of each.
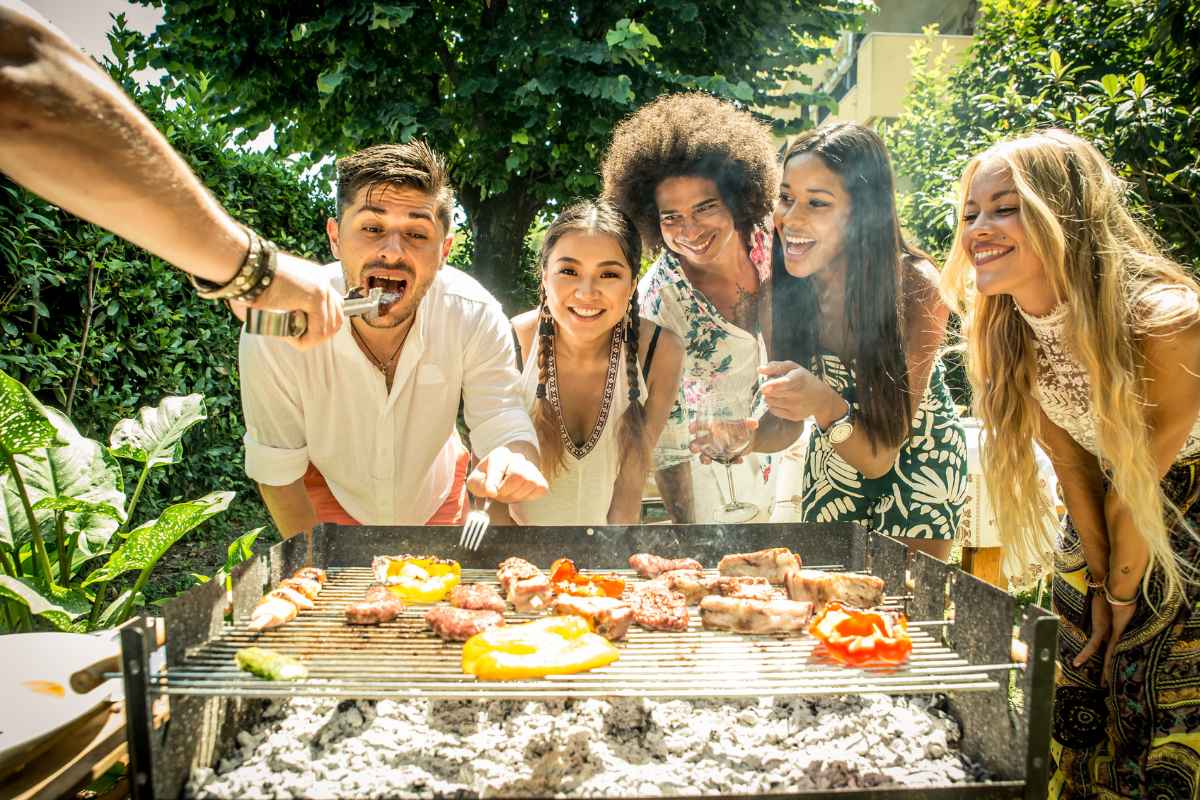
(276, 445)
(492, 404)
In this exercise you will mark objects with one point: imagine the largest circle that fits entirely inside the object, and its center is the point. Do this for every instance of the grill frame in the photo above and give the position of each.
(1013, 747)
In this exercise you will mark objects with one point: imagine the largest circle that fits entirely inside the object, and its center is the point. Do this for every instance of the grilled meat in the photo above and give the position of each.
(774, 564)
(818, 588)
(609, 616)
(459, 624)
(301, 602)
(524, 585)
(748, 588)
(377, 606)
(649, 565)
(271, 612)
(744, 615)
(308, 587)
(477, 596)
(312, 573)
(659, 609)
(691, 583)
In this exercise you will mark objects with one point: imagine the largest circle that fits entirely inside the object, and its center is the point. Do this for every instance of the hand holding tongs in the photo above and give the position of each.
(295, 323)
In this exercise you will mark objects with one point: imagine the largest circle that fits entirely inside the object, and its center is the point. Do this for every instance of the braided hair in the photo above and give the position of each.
(635, 450)
(589, 216)
(545, 419)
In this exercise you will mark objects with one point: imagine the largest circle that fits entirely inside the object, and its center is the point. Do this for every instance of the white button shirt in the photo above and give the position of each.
(388, 457)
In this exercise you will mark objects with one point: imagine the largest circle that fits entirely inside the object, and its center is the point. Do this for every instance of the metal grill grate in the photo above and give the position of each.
(405, 659)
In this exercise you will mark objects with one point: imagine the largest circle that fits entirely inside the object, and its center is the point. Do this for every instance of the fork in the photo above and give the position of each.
(475, 526)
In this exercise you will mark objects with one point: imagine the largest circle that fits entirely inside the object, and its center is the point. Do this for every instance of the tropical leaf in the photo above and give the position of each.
(24, 426)
(241, 549)
(153, 438)
(77, 476)
(60, 607)
(147, 542)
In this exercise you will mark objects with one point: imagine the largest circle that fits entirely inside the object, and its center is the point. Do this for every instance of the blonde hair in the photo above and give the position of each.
(1110, 272)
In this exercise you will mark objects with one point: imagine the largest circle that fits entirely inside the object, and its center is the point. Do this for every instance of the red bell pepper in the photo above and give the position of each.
(862, 638)
(568, 580)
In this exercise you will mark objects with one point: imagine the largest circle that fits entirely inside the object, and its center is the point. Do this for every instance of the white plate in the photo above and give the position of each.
(30, 717)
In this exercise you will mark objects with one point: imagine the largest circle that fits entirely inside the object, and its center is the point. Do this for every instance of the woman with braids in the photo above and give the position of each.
(598, 379)
(858, 328)
(697, 176)
(1083, 336)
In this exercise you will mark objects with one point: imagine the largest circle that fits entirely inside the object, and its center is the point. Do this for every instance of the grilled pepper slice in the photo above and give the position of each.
(559, 645)
(568, 580)
(861, 638)
(269, 665)
(417, 579)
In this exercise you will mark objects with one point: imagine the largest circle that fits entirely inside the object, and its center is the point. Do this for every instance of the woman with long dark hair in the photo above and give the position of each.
(598, 380)
(858, 324)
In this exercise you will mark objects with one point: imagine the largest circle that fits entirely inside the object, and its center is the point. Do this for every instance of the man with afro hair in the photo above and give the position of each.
(698, 176)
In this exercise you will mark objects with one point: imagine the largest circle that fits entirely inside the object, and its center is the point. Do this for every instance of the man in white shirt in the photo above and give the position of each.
(361, 429)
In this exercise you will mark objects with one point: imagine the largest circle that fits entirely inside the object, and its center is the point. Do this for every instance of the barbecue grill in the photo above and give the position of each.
(960, 626)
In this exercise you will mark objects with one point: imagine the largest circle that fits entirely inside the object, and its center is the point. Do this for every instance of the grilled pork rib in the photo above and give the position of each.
(378, 606)
(524, 585)
(691, 583)
(459, 624)
(748, 588)
(774, 564)
(649, 565)
(478, 596)
(743, 615)
(659, 609)
(609, 616)
(818, 588)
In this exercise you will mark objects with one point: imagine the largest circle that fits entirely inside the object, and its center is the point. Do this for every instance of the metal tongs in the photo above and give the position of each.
(294, 323)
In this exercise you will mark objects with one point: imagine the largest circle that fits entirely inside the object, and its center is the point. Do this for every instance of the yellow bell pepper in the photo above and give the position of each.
(417, 579)
(549, 646)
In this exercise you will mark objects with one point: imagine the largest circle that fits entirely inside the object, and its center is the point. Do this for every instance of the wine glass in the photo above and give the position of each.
(724, 419)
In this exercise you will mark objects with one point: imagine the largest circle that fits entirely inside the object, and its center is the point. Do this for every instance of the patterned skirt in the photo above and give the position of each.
(1140, 736)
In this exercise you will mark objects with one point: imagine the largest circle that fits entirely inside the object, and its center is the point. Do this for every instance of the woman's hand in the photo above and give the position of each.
(1101, 626)
(795, 394)
(1108, 625)
(1121, 615)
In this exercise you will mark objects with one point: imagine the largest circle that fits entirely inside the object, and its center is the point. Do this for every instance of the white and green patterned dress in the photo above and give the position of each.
(923, 494)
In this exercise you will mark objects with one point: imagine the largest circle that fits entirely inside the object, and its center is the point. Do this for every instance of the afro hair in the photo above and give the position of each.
(691, 135)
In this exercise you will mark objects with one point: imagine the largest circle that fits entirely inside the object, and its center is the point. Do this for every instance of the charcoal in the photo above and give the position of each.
(589, 748)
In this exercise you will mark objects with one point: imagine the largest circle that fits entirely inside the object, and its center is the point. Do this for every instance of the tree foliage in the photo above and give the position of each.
(521, 97)
(1124, 74)
(97, 327)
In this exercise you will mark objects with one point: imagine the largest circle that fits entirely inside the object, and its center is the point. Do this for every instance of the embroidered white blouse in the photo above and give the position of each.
(1064, 388)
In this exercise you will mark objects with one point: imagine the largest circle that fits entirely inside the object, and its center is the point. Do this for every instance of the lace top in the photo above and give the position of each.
(1064, 388)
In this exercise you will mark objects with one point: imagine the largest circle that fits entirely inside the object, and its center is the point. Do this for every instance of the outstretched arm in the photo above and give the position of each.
(68, 133)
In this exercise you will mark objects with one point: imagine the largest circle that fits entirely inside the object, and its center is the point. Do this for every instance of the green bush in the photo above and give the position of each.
(98, 327)
(1121, 74)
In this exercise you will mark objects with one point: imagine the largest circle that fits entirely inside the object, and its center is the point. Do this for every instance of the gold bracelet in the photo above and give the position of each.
(1116, 601)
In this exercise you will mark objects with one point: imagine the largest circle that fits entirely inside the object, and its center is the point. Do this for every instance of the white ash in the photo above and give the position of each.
(307, 747)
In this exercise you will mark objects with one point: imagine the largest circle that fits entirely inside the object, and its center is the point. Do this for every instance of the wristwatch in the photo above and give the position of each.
(840, 429)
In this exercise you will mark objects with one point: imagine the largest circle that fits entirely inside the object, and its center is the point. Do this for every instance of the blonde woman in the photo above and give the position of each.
(598, 380)
(1083, 336)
